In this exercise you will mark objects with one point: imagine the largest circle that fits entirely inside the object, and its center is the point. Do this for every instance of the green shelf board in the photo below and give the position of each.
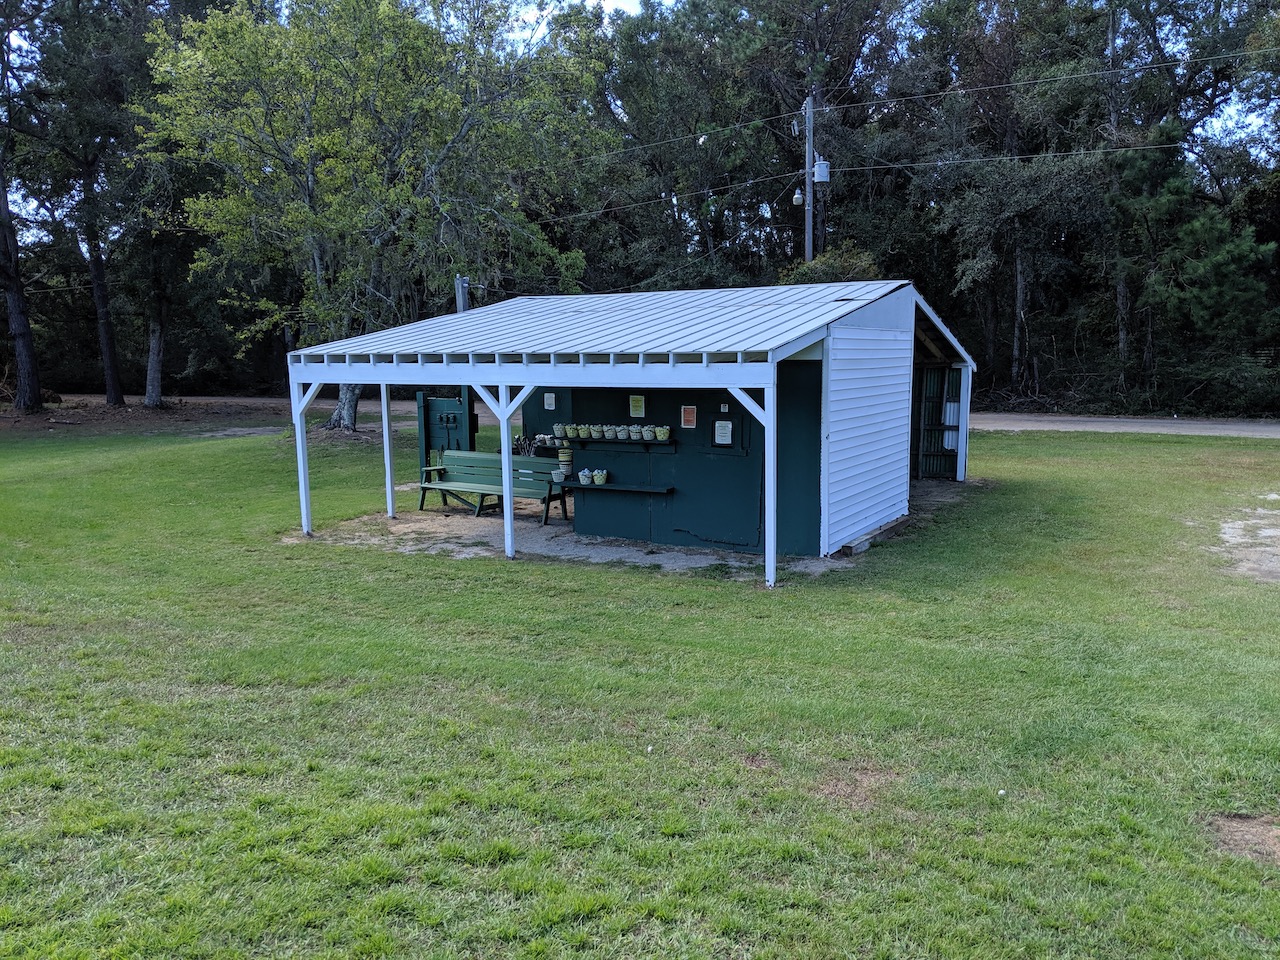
(616, 487)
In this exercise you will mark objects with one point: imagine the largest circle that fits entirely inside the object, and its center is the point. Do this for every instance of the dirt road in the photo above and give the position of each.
(1262, 429)
(89, 412)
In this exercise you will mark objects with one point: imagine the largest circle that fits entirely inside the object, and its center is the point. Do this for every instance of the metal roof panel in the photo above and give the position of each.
(744, 319)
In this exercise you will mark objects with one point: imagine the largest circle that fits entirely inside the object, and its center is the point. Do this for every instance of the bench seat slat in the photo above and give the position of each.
(467, 486)
(465, 471)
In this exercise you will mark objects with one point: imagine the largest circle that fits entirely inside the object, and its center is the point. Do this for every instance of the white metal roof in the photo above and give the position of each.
(674, 321)
(742, 328)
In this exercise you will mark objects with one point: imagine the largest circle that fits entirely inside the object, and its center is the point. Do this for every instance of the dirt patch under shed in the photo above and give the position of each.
(456, 532)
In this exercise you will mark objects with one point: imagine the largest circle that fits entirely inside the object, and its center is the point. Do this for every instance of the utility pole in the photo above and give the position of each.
(808, 178)
(462, 291)
(816, 170)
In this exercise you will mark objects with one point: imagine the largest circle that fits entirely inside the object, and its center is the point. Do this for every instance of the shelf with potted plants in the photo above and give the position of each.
(583, 435)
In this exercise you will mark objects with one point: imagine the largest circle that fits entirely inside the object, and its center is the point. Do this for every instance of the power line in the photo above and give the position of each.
(887, 101)
(1036, 81)
(759, 218)
(1058, 154)
(666, 198)
(715, 131)
(866, 168)
(952, 91)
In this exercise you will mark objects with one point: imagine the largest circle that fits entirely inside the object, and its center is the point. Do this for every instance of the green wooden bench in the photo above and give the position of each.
(480, 475)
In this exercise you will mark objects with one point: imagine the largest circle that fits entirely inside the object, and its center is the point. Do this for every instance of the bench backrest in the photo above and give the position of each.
(487, 467)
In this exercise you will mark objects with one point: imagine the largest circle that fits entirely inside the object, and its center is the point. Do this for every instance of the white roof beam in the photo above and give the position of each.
(672, 374)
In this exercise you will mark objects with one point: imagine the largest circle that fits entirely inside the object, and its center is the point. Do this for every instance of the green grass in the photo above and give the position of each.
(213, 743)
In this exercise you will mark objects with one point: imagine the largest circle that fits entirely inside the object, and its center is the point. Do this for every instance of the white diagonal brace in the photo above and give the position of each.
(503, 406)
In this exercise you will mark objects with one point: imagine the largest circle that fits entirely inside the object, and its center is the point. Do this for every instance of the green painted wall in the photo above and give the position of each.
(718, 489)
(799, 456)
(445, 423)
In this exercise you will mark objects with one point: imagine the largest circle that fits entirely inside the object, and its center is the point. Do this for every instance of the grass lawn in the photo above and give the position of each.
(216, 744)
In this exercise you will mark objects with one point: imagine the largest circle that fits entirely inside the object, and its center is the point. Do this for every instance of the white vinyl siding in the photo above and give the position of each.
(867, 454)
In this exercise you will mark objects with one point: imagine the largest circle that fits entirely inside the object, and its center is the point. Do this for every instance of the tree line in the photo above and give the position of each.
(1086, 190)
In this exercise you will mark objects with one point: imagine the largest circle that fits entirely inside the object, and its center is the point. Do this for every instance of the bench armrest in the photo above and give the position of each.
(427, 470)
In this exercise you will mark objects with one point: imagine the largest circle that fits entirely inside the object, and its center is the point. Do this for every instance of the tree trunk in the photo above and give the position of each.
(155, 356)
(1016, 368)
(1124, 304)
(1149, 350)
(27, 397)
(155, 334)
(344, 414)
(101, 296)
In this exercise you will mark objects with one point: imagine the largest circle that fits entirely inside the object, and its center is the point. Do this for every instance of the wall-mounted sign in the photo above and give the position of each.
(688, 417)
(548, 401)
(723, 433)
(636, 405)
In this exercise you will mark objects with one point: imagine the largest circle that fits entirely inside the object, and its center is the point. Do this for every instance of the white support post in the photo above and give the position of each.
(508, 501)
(503, 407)
(962, 445)
(768, 417)
(386, 449)
(300, 400)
